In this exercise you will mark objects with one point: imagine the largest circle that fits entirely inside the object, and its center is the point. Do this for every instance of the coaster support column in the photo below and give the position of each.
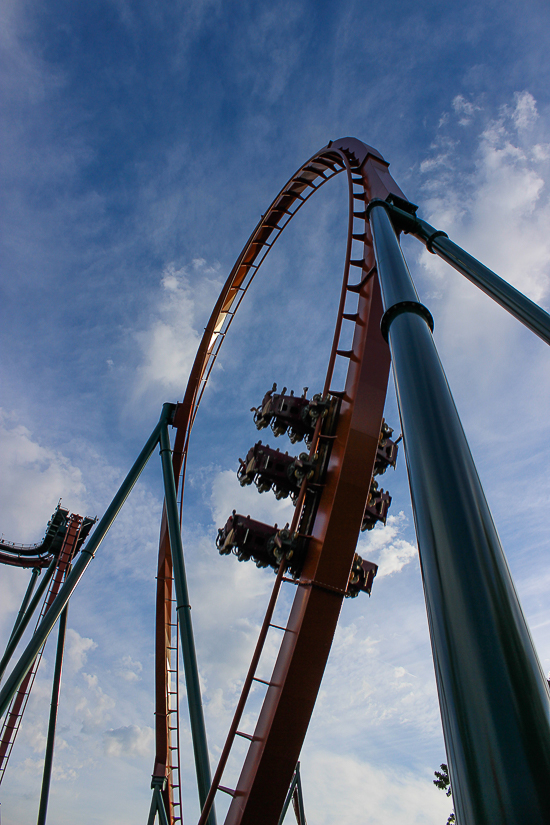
(196, 716)
(48, 758)
(493, 695)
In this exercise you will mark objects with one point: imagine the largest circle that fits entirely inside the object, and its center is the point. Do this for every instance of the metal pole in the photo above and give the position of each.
(48, 758)
(152, 810)
(196, 717)
(157, 802)
(534, 317)
(28, 593)
(288, 799)
(21, 625)
(301, 812)
(86, 555)
(493, 695)
(163, 818)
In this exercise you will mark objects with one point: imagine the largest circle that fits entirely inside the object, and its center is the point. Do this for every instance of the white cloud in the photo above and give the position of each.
(129, 670)
(541, 151)
(384, 547)
(500, 213)
(129, 741)
(436, 162)
(465, 109)
(169, 344)
(228, 598)
(228, 495)
(348, 789)
(460, 104)
(92, 706)
(32, 480)
(76, 650)
(525, 112)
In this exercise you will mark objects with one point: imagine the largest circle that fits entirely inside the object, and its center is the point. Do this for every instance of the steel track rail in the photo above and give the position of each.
(375, 181)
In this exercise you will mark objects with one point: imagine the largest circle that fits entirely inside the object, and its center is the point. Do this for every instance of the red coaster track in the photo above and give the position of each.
(276, 743)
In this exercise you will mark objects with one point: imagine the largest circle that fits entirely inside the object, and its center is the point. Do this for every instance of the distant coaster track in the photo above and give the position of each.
(266, 777)
(42, 553)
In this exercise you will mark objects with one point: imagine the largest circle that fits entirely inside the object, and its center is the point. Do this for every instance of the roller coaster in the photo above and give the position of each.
(497, 740)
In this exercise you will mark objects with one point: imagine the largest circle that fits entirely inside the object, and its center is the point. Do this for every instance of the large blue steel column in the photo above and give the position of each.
(493, 695)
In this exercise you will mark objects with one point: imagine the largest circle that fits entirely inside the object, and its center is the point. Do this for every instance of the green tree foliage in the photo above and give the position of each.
(443, 782)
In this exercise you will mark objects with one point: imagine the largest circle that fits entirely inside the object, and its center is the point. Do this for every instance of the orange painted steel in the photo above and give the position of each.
(250, 676)
(283, 720)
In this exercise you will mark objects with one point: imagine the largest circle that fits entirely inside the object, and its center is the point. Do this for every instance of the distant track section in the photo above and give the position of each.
(42, 553)
(71, 526)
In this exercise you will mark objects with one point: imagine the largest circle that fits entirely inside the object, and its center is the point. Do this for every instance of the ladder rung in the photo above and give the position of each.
(226, 790)
(263, 681)
(294, 194)
(358, 287)
(278, 626)
(245, 735)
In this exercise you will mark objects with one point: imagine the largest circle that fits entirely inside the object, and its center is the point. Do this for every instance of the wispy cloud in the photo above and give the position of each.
(169, 343)
(33, 479)
(128, 741)
(384, 546)
(77, 648)
(344, 787)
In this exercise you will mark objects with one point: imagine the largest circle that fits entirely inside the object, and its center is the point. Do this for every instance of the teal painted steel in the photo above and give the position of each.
(288, 799)
(196, 716)
(493, 694)
(48, 757)
(515, 302)
(157, 807)
(21, 625)
(26, 598)
(295, 785)
(86, 555)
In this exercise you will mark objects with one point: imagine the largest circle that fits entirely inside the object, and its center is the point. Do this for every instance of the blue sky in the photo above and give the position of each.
(140, 144)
